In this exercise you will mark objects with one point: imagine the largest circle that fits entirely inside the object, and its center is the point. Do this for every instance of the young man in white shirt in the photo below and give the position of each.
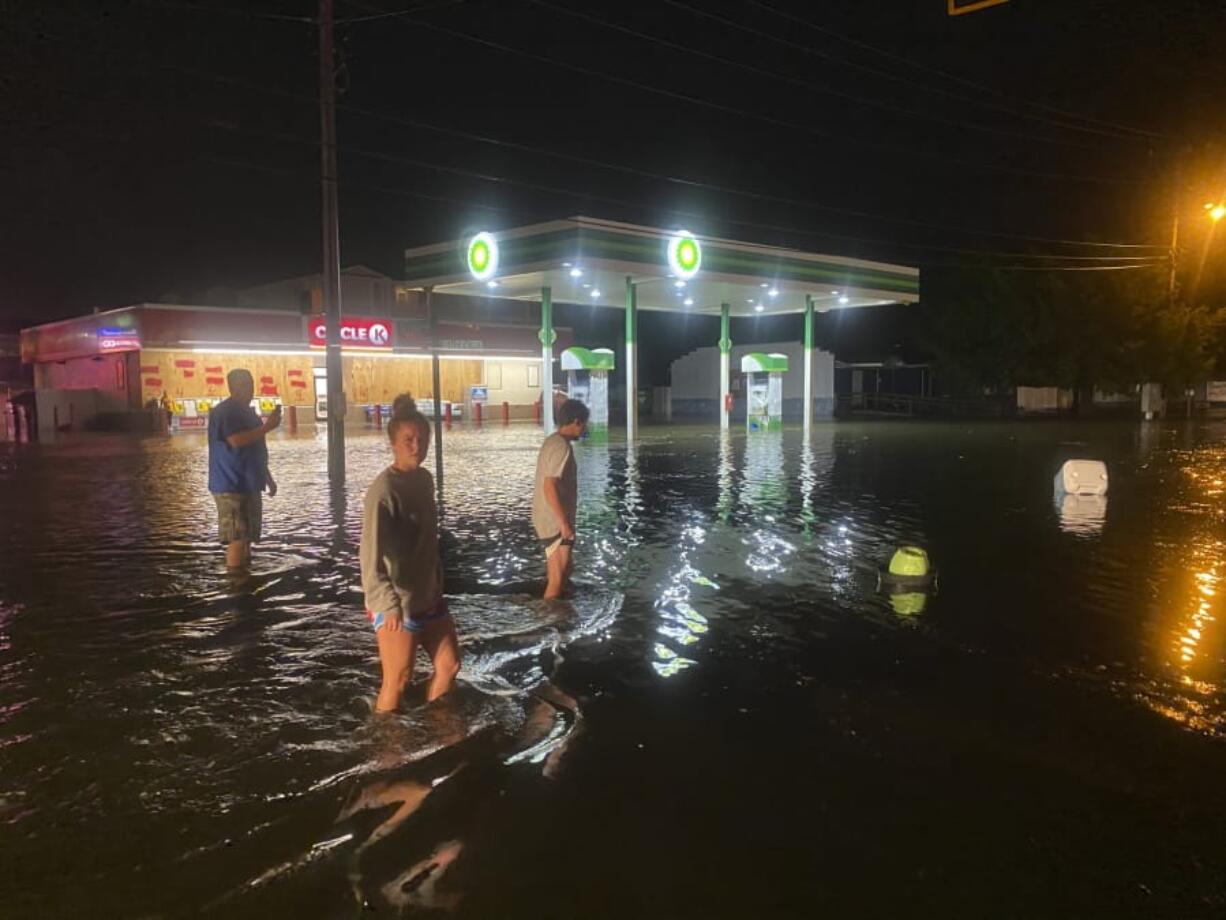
(555, 497)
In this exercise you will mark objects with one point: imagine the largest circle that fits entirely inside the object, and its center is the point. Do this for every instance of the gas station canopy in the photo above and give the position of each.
(586, 260)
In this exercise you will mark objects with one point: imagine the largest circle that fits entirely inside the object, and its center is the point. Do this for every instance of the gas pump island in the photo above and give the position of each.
(764, 390)
(587, 373)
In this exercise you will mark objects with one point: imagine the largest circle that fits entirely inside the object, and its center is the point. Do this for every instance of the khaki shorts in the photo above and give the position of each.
(240, 515)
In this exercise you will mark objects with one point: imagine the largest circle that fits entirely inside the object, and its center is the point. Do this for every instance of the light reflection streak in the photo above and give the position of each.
(724, 505)
(765, 496)
(679, 622)
(1194, 705)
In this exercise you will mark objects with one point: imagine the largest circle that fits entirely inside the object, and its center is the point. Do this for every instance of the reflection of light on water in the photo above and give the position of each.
(1193, 705)
(724, 506)
(668, 662)
(679, 622)
(1188, 641)
(808, 483)
(1083, 515)
(597, 514)
(765, 494)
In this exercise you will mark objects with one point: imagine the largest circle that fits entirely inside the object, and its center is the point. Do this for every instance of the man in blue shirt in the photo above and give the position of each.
(238, 466)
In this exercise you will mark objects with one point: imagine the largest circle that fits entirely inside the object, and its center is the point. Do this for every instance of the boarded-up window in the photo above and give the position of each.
(493, 375)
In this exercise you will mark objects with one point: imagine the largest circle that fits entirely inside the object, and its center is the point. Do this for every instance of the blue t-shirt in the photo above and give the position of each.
(235, 469)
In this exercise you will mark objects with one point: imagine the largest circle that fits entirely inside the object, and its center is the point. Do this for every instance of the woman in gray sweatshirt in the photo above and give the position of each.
(402, 576)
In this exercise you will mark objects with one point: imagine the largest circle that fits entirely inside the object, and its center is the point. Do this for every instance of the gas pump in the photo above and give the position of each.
(764, 390)
(587, 373)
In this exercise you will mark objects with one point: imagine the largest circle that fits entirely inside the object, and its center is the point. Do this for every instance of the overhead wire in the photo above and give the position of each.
(781, 228)
(1063, 113)
(770, 119)
(216, 10)
(806, 84)
(396, 118)
(794, 232)
(667, 178)
(583, 195)
(391, 14)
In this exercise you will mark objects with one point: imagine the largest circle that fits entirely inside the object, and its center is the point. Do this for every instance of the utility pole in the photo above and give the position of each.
(332, 246)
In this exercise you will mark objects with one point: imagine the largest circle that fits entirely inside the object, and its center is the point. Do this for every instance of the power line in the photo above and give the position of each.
(690, 183)
(572, 193)
(366, 186)
(630, 170)
(392, 14)
(1129, 129)
(744, 193)
(807, 84)
(794, 232)
(215, 10)
(779, 122)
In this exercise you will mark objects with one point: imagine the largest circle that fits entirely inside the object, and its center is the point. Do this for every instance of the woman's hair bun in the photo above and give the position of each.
(403, 406)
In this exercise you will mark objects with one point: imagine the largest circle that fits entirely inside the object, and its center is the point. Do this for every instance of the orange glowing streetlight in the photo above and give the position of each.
(1215, 211)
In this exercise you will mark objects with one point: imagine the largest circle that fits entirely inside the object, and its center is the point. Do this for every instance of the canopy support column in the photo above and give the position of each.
(808, 394)
(632, 367)
(725, 355)
(547, 338)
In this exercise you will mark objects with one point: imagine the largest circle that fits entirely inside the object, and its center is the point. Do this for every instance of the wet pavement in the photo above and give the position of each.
(730, 719)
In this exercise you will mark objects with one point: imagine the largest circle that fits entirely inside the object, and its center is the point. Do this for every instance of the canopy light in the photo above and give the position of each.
(483, 256)
(576, 272)
(684, 255)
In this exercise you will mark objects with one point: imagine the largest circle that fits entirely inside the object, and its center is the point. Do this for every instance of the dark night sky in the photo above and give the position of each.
(166, 147)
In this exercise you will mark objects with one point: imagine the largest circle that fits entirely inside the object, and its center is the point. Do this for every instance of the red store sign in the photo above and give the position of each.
(356, 332)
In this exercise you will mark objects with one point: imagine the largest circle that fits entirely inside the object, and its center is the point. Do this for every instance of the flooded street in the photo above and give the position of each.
(729, 720)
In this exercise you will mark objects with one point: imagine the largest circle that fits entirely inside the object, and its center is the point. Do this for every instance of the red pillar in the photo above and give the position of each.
(536, 412)
(477, 413)
(447, 414)
(506, 413)
(293, 419)
(378, 417)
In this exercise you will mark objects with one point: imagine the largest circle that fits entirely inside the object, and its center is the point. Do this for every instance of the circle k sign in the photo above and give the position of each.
(356, 332)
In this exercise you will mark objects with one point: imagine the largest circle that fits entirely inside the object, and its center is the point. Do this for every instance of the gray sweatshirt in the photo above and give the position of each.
(401, 570)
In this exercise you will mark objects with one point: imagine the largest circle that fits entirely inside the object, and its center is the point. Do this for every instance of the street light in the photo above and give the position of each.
(1216, 211)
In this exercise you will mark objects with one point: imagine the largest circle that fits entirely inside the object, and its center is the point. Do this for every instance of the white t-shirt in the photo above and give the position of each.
(556, 459)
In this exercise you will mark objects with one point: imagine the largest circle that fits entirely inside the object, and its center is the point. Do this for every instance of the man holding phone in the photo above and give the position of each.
(238, 467)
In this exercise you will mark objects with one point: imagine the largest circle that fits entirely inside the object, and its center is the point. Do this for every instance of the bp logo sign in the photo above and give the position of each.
(684, 255)
(483, 256)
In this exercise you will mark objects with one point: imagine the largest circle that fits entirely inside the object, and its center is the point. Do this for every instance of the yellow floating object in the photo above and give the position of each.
(909, 562)
(909, 604)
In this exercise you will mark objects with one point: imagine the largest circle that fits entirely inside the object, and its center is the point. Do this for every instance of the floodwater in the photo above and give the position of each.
(729, 720)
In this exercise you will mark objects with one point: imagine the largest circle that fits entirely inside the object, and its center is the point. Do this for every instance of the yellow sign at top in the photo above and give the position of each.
(956, 8)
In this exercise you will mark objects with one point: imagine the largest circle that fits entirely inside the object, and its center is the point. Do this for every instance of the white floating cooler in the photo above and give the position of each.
(1082, 477)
